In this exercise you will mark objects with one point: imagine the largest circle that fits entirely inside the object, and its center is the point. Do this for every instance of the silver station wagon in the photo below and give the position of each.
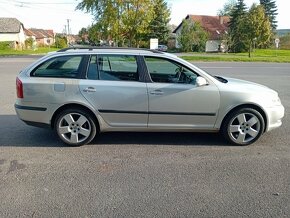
(81, 92)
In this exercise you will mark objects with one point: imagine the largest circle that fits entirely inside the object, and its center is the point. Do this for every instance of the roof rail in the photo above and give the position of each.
(118, 48)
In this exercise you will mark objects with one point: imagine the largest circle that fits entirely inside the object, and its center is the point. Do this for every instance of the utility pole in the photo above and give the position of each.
(64, 31)
(68, 20)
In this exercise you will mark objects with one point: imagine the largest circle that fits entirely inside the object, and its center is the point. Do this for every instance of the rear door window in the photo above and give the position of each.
(63, 67)
(113, 67)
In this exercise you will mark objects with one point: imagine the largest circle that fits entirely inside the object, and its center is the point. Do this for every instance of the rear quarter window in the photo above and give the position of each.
(59, 67)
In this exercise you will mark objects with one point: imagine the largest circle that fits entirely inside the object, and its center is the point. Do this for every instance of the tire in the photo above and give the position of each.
(243, 126)
(75, 127)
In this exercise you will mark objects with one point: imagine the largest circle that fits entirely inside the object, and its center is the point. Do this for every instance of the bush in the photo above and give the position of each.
(60, 42)
(29, 42)
(192, 37)
(5, 45)
(144, 44)
(285, 41)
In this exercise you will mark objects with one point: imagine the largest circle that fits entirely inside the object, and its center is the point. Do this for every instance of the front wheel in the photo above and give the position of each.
(75, 127)
(243, 126)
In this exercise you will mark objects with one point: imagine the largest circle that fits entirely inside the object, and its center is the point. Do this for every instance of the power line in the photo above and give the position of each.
(54, 9)
(45, 3)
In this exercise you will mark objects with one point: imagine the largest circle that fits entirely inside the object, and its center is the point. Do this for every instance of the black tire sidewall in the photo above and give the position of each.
(228, 119)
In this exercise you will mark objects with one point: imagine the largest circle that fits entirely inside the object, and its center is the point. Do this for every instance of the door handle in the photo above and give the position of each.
(90, 89)
(157, 92)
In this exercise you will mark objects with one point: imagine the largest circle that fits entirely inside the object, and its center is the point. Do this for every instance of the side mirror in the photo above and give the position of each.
(200, 81)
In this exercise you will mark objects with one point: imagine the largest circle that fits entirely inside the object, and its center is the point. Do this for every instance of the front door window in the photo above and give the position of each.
(167, 71)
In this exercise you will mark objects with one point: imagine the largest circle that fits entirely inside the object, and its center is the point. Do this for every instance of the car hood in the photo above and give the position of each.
(247, 86)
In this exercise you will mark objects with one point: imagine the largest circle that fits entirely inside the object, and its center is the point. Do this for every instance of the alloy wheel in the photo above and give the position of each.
(74, 128)
(244, 128)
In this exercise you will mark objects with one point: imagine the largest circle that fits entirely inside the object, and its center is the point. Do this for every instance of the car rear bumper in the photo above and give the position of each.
(32, 115)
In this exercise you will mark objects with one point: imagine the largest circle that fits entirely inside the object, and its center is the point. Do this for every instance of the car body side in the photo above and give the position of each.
(46, 96)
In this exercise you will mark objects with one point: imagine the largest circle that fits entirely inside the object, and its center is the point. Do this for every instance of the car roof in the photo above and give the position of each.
(108, 50)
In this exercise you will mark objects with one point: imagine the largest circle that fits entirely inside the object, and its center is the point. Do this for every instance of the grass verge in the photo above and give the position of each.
(261, 55)
(41, 50)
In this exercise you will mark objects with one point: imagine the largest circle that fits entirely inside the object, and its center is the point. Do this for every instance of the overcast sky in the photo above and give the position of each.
(53, 14)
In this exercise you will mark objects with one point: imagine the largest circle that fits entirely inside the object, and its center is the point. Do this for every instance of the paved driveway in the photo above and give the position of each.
(144, 174)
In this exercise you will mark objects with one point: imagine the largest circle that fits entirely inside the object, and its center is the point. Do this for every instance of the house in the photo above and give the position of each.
(29, 34)
(41, 36)
(12, 30)
(282, 32)
(216, 26)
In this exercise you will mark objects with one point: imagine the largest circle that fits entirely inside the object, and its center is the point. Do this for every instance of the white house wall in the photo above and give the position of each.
(178, 32)
(212, 46)
(13, 37)
(21, 36)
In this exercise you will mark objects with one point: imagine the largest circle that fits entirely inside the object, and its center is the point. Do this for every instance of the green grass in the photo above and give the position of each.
(40, 50)
(259, 55)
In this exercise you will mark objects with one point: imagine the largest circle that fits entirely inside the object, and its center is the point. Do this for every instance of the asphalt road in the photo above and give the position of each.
(144, 174)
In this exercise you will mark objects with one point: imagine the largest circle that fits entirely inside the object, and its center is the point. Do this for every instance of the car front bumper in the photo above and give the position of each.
(275, 115)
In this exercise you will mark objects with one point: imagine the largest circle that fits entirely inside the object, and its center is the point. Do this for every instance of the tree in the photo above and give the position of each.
(29, 42)
(94, 34)
(270, 11)
(256, 28)
(83, 34)
(227, 8)
(236, 27)
(158, 27)
(107, 15)
(60, 41)
(120, 20)
(192, 36)
(185, 36)
(136, 18)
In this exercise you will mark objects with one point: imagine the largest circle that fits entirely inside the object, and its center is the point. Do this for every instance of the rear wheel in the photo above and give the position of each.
(243, 126)
(75, 127)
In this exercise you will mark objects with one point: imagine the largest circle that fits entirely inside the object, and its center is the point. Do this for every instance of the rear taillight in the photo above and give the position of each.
(19, 88)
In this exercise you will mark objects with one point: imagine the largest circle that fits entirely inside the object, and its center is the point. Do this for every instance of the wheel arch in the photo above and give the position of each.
(252, 106)
(78, 106)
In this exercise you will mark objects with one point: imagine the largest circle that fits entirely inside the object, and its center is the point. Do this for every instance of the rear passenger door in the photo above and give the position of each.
(113, 86)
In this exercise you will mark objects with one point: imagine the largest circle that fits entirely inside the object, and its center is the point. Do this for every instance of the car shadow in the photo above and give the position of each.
(14, 132)
(161, 138)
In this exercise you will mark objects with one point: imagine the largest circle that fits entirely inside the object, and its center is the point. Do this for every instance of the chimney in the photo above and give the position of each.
(221, 18)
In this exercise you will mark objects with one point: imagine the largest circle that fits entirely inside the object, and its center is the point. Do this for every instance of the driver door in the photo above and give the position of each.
(175, 101)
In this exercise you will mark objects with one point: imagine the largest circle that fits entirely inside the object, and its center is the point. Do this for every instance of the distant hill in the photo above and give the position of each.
(282, 32)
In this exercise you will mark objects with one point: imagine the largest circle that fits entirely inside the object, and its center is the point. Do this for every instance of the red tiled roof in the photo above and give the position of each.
(28, 32)
(50, 33)
(214, 25)
(41, 33)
